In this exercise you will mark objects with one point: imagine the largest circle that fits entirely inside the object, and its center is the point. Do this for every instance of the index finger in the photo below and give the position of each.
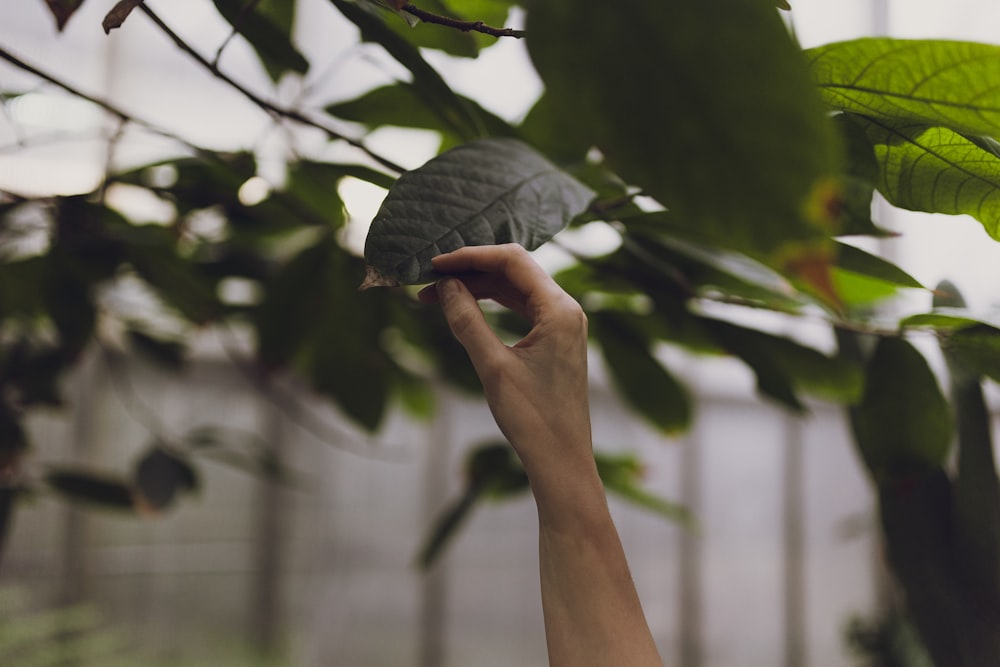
(511, 261)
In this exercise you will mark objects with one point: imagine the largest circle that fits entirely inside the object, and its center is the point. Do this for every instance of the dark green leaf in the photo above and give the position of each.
(160, 475)
(645, 383)
(490, 191)
(93, 488)
(402, 105)
(744, 120)
(492, 471)
(266, 25)
(903, 422)
(913, 82)
(167, 353)
(976, 349)
(858, 261)
(784, 367)
(622, 475)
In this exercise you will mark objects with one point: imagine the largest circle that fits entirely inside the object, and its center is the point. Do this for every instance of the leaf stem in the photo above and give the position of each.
(464, 26)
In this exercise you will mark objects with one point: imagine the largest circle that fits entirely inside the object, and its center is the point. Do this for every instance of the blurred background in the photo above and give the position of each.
(318, 567)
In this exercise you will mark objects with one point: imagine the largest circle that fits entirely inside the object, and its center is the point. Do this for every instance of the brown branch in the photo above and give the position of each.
(266, 105)
(464, 26)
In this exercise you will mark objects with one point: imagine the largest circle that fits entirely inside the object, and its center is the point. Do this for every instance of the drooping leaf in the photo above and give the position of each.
(622, 476)
(855, 259)
(646, 385)
(160, 475)
(402, 105)
(62, 10)
(167, 353)
(976, 484)
(116, 17)
(98, 489)
(744, 120)
(784, 368)
(902, 423)
(489, 191)
(937, 170)
(492, 471)
(912, 82)
(266, 25)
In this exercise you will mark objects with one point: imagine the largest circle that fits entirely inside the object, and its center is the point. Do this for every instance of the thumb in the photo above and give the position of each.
(467, 321)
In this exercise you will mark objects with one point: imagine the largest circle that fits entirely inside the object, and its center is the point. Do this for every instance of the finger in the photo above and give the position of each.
(511, 261)
(467, 321)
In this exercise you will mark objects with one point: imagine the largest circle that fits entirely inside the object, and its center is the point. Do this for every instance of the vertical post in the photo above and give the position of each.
(433, 594)
(793, 520)
(690, 624)
(266, 613)
(73, 584)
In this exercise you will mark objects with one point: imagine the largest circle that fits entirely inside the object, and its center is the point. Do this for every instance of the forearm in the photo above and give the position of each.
(592, 612)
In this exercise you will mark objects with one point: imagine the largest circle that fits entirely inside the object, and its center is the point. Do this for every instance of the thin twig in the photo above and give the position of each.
(102, 103)
(269, 107)
(249, 7)
(464, 26)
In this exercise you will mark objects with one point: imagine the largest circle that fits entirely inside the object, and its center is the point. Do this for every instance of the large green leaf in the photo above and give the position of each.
(708, 107)
(936, 169)
(913, 82)
(902, 423)
(490, 191)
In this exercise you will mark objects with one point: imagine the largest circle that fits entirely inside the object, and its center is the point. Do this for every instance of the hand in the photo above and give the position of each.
(537, 388)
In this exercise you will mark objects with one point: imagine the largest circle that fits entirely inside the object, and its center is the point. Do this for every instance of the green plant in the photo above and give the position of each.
(731, 164)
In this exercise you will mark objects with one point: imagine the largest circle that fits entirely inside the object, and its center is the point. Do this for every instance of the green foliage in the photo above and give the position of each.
(696, 103)
(728, 162)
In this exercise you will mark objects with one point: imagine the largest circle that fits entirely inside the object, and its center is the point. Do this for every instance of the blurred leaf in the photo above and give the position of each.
(428, 83)
(784, 368)
(402, 105)
(160, 475)
(910, 83)
(30, 372)
(646, 385)
(857, 182)
(244, 451)
(976, 484)
(21, 287)
(858, 261)
(492, 471)
(859, 291)
(704, 103)
(94, 488)
(167, 353)
(177, 280)
(622, 475)
(267, 26)
(975, 348)
(62, 10)
(903, 422)
(490, 191)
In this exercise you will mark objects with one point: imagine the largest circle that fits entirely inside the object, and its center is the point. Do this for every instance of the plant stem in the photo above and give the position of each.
(464, 26)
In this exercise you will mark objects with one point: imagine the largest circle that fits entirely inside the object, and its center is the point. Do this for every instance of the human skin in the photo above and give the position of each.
(537, 391)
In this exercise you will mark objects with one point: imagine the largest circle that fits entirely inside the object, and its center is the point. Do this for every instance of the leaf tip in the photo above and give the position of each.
(375, 278)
